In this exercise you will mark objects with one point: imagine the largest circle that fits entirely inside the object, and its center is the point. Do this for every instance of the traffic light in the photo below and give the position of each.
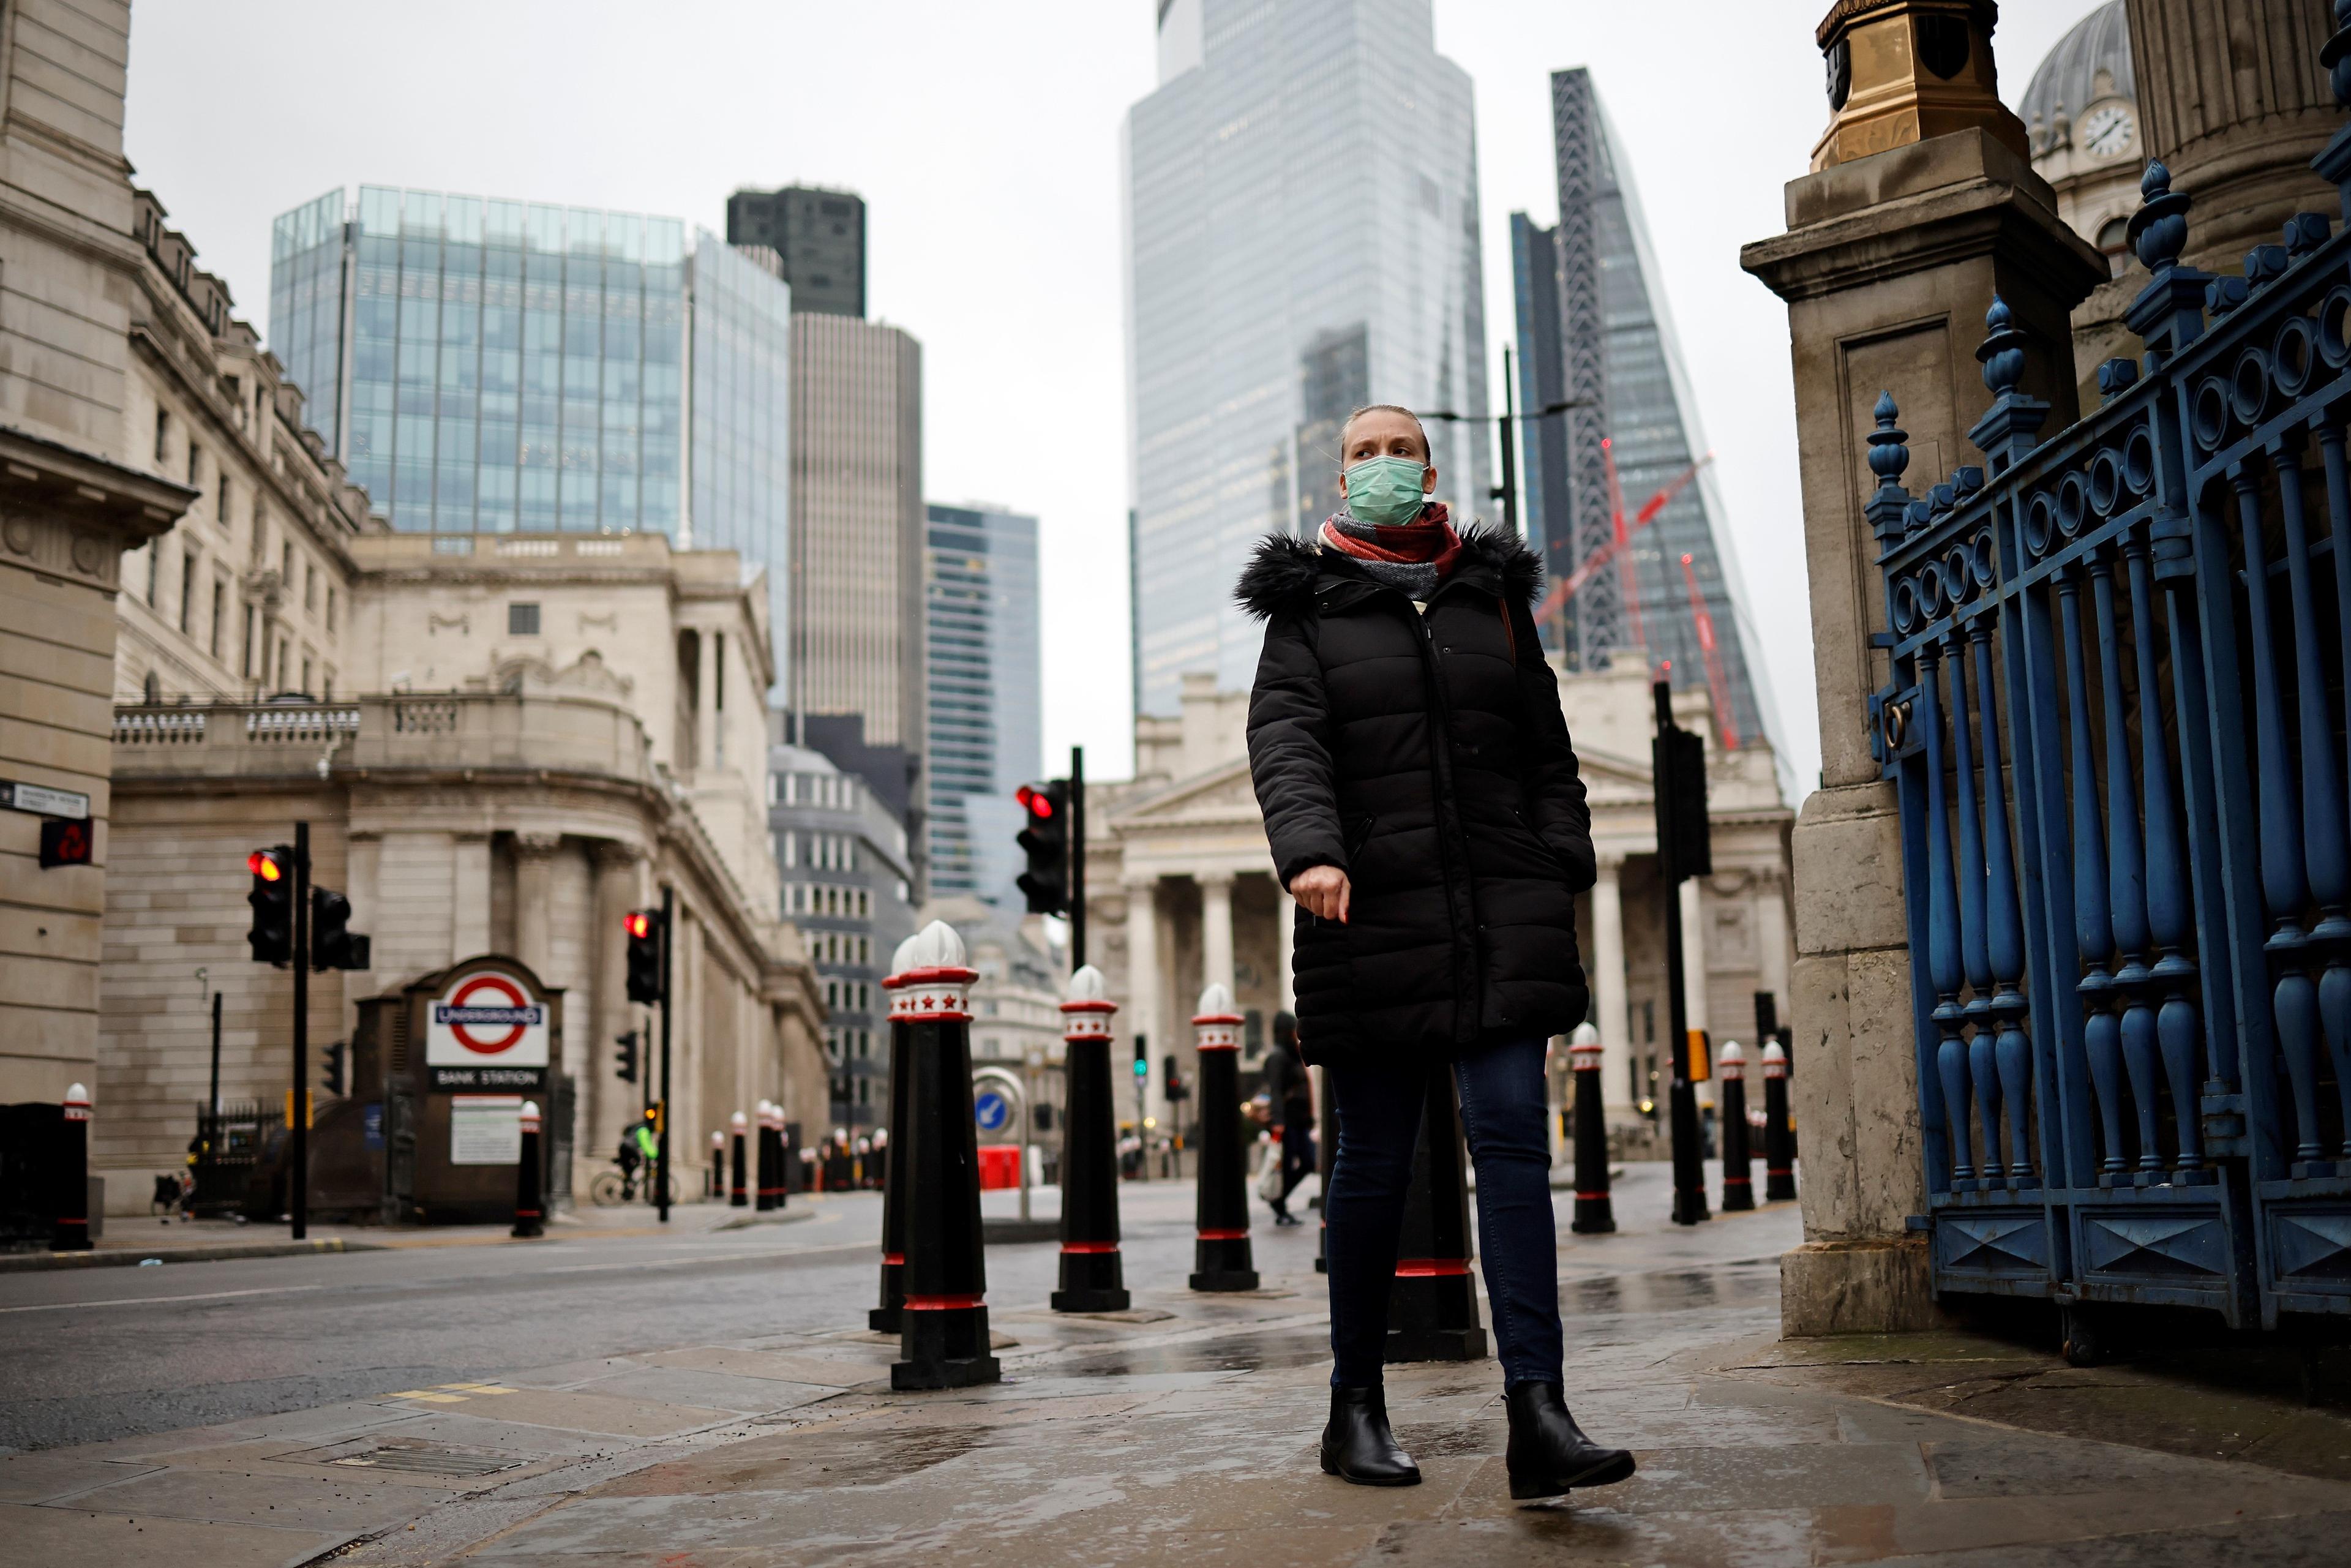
(272, 934)
(1684, 803)
(1176, 1088)
(628, 1044)
(335, 1056)
(644, 929)
(1046, 841)
(333, 944)
(1142, 1061)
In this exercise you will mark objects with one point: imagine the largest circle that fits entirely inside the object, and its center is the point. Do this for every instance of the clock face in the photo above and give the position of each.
(2107, 130)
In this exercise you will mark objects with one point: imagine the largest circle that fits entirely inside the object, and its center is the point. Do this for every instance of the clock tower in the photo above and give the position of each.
(2082, 112)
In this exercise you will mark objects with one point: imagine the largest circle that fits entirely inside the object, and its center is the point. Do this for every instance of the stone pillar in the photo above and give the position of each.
(1609, 1001)
(534, 892)
(1285, 937)
(364, 872)
(706, 744)
(607, 1105)
(2236, 105)
(1217, 930)
(1888, 266)
(469, 895)
(1694, 969)
(1142, 987)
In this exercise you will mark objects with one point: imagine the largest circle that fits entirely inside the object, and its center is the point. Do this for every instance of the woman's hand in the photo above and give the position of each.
(1324, 890)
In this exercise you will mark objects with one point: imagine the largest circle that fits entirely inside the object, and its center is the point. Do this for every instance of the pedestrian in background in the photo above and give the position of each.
(1291, 1093)
(1422, 800)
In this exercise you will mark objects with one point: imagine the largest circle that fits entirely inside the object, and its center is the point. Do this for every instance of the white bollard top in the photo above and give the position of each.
(739, 1121)
(1775, 1061)
(76, 1096)
(1585, 1034)
(904, 958)
(717, 1139)
(530, 1116)
(1088, 1011)
(1730, 1062)
(1214, 1002)
(934, 946)
(1088, 984)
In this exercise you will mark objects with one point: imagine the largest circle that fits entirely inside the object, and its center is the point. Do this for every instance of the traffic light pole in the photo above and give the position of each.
(1077, 858)
(1688, 1159)
(297, 1114)
(660, 1150)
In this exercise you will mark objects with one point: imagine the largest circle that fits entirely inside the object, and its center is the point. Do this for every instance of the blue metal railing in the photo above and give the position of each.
(2116, 728)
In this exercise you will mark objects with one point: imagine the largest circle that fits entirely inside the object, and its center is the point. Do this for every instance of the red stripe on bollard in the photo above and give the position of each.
(1088, 1247)
(942, 1303)
(895, 1259)
(1430, 1267)
(1224, 1235)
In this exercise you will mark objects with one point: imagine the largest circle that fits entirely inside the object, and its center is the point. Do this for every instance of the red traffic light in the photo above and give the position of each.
(1039, 803)
(263, 864)
(637, 924)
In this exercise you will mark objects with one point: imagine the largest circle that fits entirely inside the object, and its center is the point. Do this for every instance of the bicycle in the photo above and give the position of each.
(611, 1188)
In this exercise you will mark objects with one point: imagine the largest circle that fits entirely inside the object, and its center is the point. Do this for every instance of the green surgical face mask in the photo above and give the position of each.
(1385, 491)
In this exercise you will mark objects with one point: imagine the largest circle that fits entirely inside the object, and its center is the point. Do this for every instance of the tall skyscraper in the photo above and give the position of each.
(1302, 238)
(856, 615)
(986, 716)
(487, 366)
(818, 234)
(1594, 326)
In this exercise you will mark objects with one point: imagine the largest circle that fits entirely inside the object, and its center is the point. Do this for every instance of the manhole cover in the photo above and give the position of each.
(413, 1458)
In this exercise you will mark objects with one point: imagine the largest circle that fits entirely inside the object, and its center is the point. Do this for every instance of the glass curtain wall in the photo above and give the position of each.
(510, 365)
(741, 469)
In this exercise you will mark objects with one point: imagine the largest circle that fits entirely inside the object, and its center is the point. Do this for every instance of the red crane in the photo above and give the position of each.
(1614, 549)
(1717, 684)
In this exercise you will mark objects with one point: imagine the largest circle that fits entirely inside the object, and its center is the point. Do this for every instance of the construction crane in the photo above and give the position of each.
(1615, 549)
(1717, 687)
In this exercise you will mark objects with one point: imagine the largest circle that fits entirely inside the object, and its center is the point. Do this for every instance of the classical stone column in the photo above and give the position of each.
(707, 745)
(606, 1104)
(1694, 969)
(1609, 1001)
(1772, 944)
(533, 890)
(365, 875)
(1217, 930)
(469, 895)
(1142, 987)
(1285, 937)
(2235, 103)
(1888, 266)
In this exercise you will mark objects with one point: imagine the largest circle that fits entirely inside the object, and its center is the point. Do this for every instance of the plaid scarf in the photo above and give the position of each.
(1414, 557)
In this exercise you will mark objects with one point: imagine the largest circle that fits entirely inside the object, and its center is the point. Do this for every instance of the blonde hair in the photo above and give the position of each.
(1428, 453)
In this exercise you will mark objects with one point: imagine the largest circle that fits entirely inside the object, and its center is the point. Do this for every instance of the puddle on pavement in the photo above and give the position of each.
(874, 1460)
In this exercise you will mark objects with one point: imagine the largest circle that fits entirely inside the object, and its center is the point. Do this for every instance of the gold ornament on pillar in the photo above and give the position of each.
(1900, 72)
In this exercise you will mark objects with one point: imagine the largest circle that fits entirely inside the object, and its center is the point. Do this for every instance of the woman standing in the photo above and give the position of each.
(1423, 805)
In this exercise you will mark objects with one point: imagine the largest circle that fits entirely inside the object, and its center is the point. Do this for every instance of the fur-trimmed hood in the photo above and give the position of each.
(1284, 572)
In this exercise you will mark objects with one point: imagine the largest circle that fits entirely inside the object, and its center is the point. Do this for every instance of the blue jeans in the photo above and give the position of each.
(1503, 1109)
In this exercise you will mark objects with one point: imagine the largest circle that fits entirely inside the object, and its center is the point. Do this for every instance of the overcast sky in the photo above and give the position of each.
(985, 140)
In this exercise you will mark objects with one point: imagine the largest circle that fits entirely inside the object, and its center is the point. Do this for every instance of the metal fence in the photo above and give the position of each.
(2117, 726)
(231, 1145)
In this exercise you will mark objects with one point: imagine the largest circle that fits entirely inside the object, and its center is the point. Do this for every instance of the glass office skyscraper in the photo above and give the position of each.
(1301, 237)
(1593, 326)
(986, 719)
(485, 366)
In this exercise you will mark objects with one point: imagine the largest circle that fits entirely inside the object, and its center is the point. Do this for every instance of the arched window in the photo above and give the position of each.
(2114, 238)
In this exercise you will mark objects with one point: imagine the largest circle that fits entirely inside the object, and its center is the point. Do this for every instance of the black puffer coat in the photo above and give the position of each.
(1426, 757)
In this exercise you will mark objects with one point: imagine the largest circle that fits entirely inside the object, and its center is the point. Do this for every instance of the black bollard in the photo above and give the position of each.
(1221, 1259)
(1688, 1145)
(780, 1187)
(1779, 1136)
(714, 1186)
(530, 1214)
(885, 1316)
(943, 1339)
(1738, 1188)
(71, 1231)
(1094, 1275)
(1433, 1302)
(1595, 1212)
(738, 1193)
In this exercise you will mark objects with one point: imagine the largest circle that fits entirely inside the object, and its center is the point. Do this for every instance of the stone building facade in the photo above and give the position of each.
(1181, 892)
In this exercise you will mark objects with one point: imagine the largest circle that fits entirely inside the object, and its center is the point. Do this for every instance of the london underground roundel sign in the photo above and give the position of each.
(488, 1029)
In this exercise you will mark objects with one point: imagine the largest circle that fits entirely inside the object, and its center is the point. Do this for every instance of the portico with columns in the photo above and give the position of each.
(1181, 892)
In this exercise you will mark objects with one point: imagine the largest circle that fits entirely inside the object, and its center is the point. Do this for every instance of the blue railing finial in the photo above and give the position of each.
(2306, 232)
(2115, 377)
(1887, 459)
(2001, 353)
(2158, 230)
(2336, 54)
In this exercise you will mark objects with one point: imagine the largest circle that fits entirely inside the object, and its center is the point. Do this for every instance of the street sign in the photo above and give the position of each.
(43, 802)
(488, 1030)
(991, 1109)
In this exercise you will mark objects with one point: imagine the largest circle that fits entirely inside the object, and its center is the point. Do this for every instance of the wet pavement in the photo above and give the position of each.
(1184, 1430)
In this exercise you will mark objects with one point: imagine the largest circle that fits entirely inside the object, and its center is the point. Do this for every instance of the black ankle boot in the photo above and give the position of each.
(1549, 1452)
(1357, 1445)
